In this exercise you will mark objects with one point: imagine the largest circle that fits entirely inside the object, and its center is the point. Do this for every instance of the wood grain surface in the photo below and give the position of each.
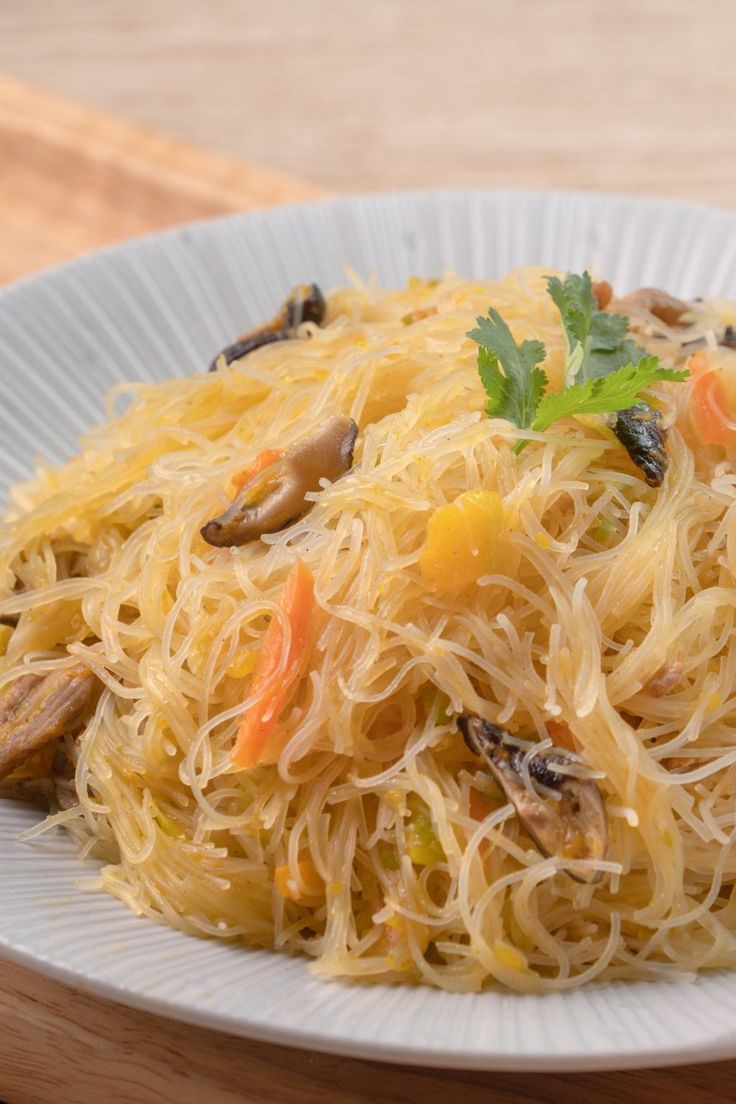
(633, 95)
(72, 179)
(116, 1056)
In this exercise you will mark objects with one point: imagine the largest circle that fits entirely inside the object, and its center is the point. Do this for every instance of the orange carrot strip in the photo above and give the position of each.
(560, 734)
(479, 806)
(709, 406)
(264, 460)
(261, 718)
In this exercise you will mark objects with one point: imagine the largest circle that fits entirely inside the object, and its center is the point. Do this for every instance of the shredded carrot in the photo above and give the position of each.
(709, 404)
(479, 806)
(261, 717)
(264, 460)
(312, 884)
(561, 735)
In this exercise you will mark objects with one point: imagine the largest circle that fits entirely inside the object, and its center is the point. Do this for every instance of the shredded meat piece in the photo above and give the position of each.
(418, 315)
(665, 679)
(36, 709)
(62, 773)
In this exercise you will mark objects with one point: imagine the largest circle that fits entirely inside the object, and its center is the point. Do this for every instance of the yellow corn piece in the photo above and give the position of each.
(394, 941)
(244, 664)
(465, 540)
(509, 956)
(309, 885)
(714, 702)
(167, 824)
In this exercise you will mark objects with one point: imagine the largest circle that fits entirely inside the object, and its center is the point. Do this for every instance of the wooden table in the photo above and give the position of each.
(72, 179)
(629, 95)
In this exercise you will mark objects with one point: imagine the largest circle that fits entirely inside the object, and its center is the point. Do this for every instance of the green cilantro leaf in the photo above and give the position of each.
(597, 341)
(605, 370)
(515, 393)
(604, 394)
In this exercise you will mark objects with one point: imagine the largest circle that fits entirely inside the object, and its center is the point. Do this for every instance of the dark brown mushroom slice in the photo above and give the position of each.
(325, 454)
(571, 827)
(306, 303)
(639, 429)
(728, 338)
(660, 303)
(36, 709)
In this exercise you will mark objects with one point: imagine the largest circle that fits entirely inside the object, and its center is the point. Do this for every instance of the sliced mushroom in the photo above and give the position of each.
(305, 304)
(728, 338)
(572, 827)
(639, 429)
(325, 454)
(36, 709)
(659, 303)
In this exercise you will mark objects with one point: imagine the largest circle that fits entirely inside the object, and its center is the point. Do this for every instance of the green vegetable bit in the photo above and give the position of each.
(604, 531)
(422, 845)
(389, 858)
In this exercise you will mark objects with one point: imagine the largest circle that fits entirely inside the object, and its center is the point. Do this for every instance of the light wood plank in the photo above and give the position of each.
(74, 179)
(636, 95)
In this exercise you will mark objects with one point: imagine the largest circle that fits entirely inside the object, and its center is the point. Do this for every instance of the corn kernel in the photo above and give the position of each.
(394, 942)
(244, 665)
(509, 956)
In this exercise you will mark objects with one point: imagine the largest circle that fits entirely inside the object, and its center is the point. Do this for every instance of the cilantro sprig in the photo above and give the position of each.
(618, 390)
(605, 371)
(597, 342)
(515, 393)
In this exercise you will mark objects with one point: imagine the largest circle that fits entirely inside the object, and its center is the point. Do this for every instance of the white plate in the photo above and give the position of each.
(161, 307)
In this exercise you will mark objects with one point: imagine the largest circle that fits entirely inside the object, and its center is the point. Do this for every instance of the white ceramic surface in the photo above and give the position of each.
(161, 307)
